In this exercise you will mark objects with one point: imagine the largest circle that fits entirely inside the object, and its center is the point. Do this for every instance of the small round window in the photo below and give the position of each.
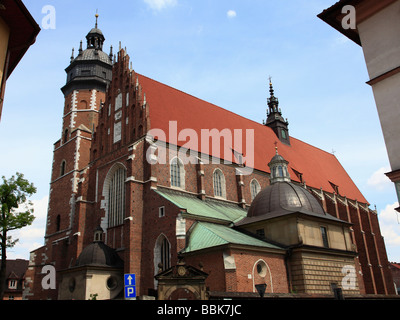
(261, 269)
(112, 283)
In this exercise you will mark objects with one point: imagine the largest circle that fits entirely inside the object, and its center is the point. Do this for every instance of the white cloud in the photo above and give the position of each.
(389, 214)
(379, 180)
(231, 14)
(389, 221)
(158, 5)
(40, 207)
(30, 237)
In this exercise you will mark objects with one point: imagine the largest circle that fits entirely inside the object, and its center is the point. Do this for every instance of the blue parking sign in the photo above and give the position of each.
(130, 292)
(130, 285)
(130, 279)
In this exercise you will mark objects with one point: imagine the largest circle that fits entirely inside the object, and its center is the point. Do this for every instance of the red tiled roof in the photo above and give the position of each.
(319, 168)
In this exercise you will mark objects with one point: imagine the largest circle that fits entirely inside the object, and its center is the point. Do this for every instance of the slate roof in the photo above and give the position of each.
(15, 269)
(92, 54)
(100, 255)
(284, 198)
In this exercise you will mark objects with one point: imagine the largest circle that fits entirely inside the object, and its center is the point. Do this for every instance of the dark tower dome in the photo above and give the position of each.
(92, 55)
(283, 197)
(91, 68)
(99, 254)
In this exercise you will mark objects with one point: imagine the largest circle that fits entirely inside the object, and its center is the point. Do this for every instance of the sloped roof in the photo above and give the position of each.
(208, 235)
(99, 254)
(282, 199)
(319, 168)
(209, 209)
(15, 269)
(92, 54)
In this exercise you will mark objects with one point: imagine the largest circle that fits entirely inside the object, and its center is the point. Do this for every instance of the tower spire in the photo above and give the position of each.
(271, 89)
(95, 37)
(273, 101)
(274, 116)
(97, 16)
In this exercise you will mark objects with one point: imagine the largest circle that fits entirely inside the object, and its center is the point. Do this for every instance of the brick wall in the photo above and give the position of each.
(244, 276)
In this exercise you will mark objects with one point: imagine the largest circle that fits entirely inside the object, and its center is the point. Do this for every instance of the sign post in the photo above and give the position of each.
(130, 285)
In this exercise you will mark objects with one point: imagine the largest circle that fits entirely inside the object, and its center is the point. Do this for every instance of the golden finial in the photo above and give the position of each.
(97, 16)
(276, 146)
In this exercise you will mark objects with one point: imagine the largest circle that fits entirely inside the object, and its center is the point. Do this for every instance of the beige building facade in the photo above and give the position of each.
(376, 29)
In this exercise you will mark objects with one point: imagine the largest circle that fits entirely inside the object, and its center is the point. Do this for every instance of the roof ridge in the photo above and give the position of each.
(210, 103)
(314, 147)
(236, 114)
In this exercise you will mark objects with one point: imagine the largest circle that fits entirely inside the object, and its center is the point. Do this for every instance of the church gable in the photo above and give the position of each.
(123, 117)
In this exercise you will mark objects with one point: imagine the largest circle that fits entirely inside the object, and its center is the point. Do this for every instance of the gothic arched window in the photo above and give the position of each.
(62, 168)
(58, 223)
(177, 173)
(162, 254)
(254, 188)
(65, 136)
(116, 197)
(219, 184)
(165, 255)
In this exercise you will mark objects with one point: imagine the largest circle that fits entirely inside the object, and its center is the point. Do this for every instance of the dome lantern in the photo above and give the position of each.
(283, 197)
(279, 169)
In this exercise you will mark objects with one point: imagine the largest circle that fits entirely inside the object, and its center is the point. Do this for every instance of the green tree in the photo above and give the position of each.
(13, 194)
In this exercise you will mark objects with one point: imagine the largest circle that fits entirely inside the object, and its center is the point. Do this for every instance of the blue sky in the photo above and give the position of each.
(222, 52)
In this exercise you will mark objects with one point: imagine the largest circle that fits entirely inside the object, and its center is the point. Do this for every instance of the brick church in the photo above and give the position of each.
(196, 201)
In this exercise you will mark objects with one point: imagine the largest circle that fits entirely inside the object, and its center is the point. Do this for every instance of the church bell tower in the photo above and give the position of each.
(88, 76)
